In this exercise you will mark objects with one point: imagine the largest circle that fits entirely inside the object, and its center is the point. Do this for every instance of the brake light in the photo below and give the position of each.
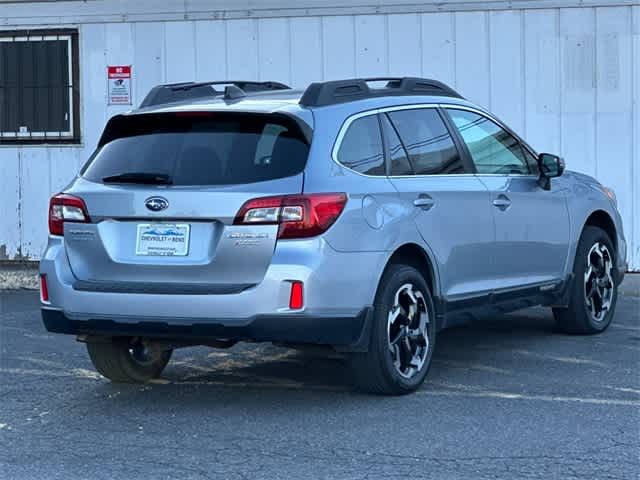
(66, 208)
(296, 298)
(299, 216)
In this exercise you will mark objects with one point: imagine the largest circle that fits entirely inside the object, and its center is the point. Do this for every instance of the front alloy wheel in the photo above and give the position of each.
(598, 281)
(593, 291)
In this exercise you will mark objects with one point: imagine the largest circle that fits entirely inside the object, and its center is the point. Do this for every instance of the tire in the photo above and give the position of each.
(380, 370)
(585, 314)
(128, 362)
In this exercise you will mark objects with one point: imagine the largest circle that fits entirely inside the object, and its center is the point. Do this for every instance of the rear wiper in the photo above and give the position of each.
(140, 177)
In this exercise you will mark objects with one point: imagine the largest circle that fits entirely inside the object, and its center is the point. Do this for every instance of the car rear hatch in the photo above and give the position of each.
(162, 192)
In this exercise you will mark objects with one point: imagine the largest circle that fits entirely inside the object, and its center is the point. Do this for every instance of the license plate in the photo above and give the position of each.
(162, 239)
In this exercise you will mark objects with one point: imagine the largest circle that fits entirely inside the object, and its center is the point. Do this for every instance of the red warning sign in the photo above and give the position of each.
(119, 84)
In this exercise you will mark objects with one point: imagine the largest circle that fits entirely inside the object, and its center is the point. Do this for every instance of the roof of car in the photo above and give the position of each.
(263, 102)
(288, 102)
(273, 97)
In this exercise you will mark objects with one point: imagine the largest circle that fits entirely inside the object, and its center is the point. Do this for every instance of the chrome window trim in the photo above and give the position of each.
(350, 119)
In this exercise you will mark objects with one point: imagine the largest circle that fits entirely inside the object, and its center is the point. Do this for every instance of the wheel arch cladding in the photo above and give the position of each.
(414, 255)
(603, 220)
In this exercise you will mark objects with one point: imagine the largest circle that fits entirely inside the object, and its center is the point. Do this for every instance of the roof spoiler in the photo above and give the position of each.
(234, 89)
(320, 94)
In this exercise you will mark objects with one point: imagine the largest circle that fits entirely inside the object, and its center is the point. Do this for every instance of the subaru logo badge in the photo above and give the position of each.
(155, 204)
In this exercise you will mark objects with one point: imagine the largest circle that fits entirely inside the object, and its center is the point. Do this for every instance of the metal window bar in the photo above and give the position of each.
(64, 60)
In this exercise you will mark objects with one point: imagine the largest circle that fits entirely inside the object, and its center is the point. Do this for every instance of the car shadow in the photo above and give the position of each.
(267, 366)
(488, 355)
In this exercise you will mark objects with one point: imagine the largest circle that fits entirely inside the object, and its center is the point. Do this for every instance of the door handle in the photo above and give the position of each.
(502, 202)
(424, 201)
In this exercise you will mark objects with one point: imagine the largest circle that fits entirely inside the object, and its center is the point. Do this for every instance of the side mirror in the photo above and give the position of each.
(550, 166)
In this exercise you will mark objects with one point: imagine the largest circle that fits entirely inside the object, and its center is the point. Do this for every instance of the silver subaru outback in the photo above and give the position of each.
(365, 215)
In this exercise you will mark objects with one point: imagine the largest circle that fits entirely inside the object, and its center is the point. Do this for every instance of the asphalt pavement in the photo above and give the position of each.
(506, 398)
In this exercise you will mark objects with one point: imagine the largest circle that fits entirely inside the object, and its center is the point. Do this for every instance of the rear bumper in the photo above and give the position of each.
(336, 284)
(348, 333)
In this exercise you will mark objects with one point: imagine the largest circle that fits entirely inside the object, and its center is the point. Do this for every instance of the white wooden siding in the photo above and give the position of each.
(567, 79)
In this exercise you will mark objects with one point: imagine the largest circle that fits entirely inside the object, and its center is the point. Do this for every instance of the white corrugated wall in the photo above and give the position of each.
(567, 79)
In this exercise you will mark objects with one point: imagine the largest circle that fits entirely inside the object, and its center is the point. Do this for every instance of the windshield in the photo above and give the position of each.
(199, 148)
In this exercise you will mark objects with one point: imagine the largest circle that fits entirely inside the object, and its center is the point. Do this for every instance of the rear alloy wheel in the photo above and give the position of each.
(407, 336)
(594, 291)
(402, 335)
(129, 360)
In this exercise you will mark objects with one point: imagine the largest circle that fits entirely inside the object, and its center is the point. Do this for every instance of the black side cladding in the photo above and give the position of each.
(320, 94)
(347, 332)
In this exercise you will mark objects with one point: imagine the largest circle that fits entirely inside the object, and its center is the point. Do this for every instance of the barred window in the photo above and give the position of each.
(39, 86)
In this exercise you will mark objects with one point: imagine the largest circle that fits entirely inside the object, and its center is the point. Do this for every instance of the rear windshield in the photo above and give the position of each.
(200, 148)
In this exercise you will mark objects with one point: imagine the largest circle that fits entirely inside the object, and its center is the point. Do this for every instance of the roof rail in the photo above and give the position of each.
(319, 94)
(174, 92)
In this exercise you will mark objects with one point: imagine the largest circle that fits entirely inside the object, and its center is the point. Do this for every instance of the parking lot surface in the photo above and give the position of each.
(505, 398)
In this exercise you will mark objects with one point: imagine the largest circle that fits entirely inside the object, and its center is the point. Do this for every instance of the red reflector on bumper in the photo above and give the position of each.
(44, 291)
(296, 300)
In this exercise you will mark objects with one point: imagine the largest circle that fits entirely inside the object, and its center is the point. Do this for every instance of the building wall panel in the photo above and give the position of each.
(35, 177)
(180, 62)
(506, 67)
(371, 45)
(148, 58)
(307, 56)
(541, 59)
(578, 86)
(338, 52)
(211, 50)
(614, 111)
(439, 46)
(472, 56)
(568, 79)
(404, 44)
(242, 49)
(93, 89)
(10, 204)
(633, 197)
(274, 49)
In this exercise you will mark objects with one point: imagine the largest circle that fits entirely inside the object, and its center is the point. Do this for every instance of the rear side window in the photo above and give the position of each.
(361, 147)
(199, 148)
(427, 140)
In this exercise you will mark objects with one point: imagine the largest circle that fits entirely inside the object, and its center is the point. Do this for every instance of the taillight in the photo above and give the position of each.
(299, 216)
(66, 208)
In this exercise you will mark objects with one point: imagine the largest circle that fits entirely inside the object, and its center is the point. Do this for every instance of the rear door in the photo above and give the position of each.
(451, 206)
(532, 224)
(163, 190)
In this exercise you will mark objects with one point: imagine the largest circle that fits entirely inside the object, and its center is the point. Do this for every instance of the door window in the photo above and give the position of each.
(361, 147)
(426, 139)
(493, 150)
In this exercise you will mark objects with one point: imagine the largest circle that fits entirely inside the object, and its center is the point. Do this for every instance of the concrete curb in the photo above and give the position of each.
(18, 275)
(15, 276)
